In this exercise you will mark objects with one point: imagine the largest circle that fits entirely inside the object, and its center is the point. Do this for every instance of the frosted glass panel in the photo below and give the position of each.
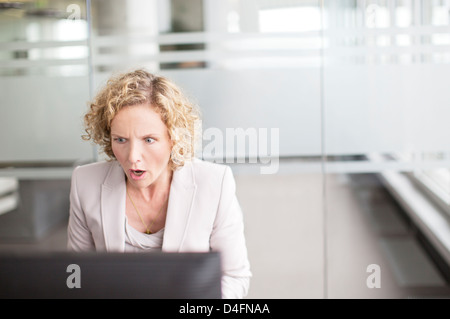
(44, 82)
(243, 74)
(387, 108)
(41, 118)
(287, 100)
(386, 65)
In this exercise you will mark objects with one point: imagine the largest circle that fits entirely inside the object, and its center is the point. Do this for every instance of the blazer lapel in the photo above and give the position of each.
(181, 199)
(113, 208)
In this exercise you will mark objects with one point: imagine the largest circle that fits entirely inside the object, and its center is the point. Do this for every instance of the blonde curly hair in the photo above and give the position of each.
(141, 87)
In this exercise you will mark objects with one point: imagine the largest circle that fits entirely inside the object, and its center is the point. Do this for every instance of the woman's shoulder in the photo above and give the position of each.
(94, 169)
(210, 173)
(203, 166)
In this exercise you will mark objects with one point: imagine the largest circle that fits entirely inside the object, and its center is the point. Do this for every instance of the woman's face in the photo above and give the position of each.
(141, 143)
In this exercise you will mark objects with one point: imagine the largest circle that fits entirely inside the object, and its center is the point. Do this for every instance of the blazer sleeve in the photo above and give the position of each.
(79, 237)
(228, 238)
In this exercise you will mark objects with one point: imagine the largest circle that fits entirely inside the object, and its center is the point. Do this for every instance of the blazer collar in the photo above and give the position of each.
(181, 199)
(113, 200)
(113, 203)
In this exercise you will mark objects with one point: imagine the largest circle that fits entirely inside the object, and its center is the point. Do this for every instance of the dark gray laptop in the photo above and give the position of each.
(155, 275)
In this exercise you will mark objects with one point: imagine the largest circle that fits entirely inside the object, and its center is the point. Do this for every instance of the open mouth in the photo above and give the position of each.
(137, 173)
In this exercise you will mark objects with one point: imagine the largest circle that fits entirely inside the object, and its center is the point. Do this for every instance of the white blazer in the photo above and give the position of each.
(203, 214)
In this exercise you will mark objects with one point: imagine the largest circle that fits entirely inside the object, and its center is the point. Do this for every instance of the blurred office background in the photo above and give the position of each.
(347, 194)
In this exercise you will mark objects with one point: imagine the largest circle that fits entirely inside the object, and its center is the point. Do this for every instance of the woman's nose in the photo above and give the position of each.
(134, 154)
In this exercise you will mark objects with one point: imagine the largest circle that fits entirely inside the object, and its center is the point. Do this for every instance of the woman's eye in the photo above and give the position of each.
(149, 140)
(119, 140)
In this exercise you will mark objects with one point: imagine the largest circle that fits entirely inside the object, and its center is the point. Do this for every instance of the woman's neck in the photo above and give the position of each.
(157, 191)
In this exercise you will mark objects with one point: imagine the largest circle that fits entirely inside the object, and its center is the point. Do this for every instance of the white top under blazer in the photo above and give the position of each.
(203, 215)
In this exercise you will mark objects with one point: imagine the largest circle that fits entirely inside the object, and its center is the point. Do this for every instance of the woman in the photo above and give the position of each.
(152, 194)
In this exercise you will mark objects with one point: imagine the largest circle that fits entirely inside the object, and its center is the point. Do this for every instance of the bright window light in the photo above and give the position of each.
(292, 19)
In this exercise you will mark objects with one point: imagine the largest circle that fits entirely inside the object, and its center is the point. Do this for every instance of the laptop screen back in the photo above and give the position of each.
(154, 275)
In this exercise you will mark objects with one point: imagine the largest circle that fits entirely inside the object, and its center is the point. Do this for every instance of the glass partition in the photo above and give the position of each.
(44, 87)
(386, 65)
(44, 78)
(331, 114)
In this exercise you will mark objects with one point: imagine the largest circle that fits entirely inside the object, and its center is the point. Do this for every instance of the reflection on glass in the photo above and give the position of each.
(43, 40)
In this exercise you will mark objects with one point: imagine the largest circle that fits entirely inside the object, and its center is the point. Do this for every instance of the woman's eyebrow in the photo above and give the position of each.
(151, 134)
(142, 136)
